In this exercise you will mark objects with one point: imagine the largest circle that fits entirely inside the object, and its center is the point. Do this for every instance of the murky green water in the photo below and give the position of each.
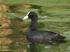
(57, 20)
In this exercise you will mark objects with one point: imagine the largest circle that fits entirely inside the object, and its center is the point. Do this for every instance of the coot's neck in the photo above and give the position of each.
(33, 26)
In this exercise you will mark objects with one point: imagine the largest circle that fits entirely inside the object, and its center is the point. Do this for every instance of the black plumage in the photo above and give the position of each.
(36, 36)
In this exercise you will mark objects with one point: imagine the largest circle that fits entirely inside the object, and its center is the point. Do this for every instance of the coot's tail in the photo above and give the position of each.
(59, 39)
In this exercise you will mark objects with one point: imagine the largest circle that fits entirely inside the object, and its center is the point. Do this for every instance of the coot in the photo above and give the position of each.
(36, 36)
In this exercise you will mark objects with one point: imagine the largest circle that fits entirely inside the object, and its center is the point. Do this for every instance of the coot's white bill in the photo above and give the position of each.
(26, 17)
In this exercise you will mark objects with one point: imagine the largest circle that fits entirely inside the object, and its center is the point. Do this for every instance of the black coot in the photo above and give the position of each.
(35, 36)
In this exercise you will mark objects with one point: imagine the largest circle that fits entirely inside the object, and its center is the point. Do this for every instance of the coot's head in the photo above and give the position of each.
(31, 15)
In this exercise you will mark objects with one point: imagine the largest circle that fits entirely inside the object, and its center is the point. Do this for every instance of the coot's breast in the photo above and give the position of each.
(35, 37)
